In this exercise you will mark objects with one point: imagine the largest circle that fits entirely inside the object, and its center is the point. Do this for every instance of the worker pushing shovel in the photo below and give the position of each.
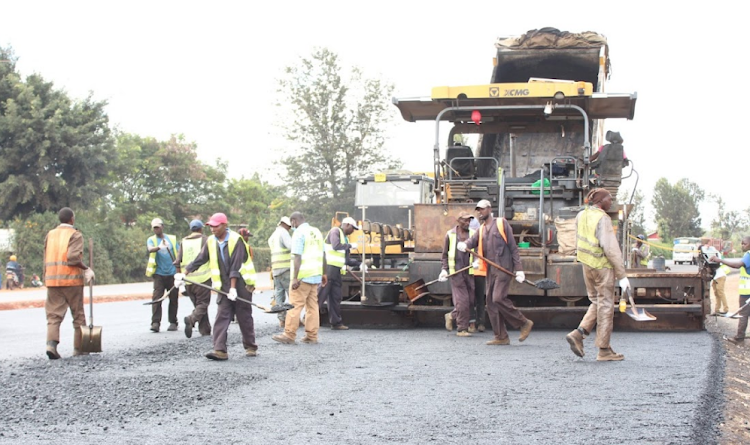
(743, 264)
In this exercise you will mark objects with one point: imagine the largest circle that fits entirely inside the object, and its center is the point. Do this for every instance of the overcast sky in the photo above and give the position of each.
(208, 70)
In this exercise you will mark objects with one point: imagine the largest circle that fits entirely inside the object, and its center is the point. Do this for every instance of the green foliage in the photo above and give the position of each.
(262, 259)
(661, 249)
(637, 217)
(257, 205)
(727, 224)
(53, 150)
(676, 208)
(337, 133)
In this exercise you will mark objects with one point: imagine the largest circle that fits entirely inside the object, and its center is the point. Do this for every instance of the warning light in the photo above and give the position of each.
(476, 117)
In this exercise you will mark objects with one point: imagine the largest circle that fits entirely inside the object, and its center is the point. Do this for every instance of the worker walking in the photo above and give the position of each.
(280, 243)
(64, 275)
(743, 264)
(337, 247)
(190, 247)
(494, 240)
(598, 250)
(233, 273)
(476, 323)
(162, 250)
(640, 254)
(462, 283)
(307, 272)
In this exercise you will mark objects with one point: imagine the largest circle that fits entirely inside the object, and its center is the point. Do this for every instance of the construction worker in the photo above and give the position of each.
(337, 247)
(162, 251)
(232, 272)
(494, 240)
(597, 248)
(246, 235)
(190, 247)
(462, 283)
(641, 253)
(476, 323)
(307, 272)
(743, 264)
(16, 268)
(717, 282)
(280, 243)
(64, 275)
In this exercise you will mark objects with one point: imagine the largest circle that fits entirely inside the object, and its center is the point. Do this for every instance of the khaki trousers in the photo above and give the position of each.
(59, 299)
(600, 287)
(305, 296)
(719, 295)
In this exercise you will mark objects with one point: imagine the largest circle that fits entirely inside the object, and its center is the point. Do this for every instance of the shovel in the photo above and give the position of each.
(269, 310)
(91, 336)
(637, 314)
(544, 283)
(412, 289)
(736, 314)
(160, 299)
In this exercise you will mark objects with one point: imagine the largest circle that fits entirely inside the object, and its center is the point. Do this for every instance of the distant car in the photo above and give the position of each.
(685, 254)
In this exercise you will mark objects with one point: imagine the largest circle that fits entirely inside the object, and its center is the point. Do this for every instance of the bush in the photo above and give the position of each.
(262, 259)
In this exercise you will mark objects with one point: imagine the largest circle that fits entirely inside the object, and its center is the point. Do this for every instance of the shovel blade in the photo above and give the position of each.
(275, 309)
(640, 314)
(91, 338)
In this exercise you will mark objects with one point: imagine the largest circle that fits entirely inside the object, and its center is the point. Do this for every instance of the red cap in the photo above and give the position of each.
(216, 219)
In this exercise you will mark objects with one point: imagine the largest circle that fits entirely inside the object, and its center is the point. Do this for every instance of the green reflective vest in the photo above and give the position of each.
(281, 257)
(588, 250)
(312, 255)
(336, 258)
(247, 271)
(452, 251)
(191, 247)
(744, 286)
(151, 266)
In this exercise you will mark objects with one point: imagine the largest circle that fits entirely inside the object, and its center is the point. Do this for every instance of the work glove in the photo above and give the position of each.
(520, 276)
(163, 246)
(88, 275)
(475, 264)
(353, 246)
(635, 249)
(179, 279)
(624, 284)
(461, 246)
(232, 294)
(443, 276)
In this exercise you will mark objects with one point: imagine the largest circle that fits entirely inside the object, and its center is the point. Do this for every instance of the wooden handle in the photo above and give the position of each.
(449, 275)
(491, 263)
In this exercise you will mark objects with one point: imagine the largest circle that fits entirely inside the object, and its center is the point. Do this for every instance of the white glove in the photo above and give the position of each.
(624, 284)
(179, 279)
(232, 294)
(363, 267)
(163, 246)
(520, 276)
(88, 275)
(475, 264)
(635, 249)
(461, 246)
(353, 246)
(443, 276)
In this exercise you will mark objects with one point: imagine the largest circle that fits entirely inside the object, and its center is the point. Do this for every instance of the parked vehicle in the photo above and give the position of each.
(685, 254)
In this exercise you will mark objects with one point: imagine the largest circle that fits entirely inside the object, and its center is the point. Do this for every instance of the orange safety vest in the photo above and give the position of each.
(57, 273)
(482, 271)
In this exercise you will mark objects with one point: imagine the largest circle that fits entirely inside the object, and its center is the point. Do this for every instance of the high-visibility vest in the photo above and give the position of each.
(191, 247)
(482, 271)
(726, 269)
(336, 258)
(452, 251)
(744, 285)
(588, 249)
(644, 260)
(281, 257)
(247, 271)
(312, 255)
(151, 266)
(57, 273)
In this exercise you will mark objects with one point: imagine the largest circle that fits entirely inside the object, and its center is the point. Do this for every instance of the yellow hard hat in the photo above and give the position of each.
(12, 257)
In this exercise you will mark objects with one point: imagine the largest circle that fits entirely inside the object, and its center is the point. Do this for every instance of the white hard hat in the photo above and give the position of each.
(286, 220)
(157, 222)
(349, 220)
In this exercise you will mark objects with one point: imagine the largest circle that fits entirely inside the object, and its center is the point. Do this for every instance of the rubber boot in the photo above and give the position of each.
(52, 350)
(575, 339)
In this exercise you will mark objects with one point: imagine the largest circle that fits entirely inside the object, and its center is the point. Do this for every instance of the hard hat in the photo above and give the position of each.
(13, 258)
(349, 220)
(157, 222)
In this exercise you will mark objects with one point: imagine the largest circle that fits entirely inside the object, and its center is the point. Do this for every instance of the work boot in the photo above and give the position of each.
(575, 339)
(282, 323)
(608, 355)
(498, 341)
(188, 327)
(525, 330)
(282, 338)
(172, 327)
(463, 333)
(52, 350)
(472, 328)
(481, 327)
(251, 352)
(735, 340)
(448, 322)
(340, 327)
(309, 341)
(217, 355)
(154, 327)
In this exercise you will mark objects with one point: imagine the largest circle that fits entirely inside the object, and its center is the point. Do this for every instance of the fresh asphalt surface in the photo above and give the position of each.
(360, 386)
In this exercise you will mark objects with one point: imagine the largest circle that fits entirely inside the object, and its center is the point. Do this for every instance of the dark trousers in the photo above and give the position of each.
(331, 295)
(462, 288)
(226, 310)
(480, 301)
(201, 298)
(499, 306)
(163, 283)
(744, 313)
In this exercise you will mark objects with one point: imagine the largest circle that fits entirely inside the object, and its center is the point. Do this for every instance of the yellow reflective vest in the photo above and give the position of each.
(336, 258)
(744, 286)
(191, 247)
(281, 257)
(312, 254)
(151, 266)
(452, 251)
(588, 250)
(247, 271)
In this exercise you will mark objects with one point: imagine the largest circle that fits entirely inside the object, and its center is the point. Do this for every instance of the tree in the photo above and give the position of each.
(676, 208)
(637, 215)
(726, 222)
(258, 205)
(337, 132)
(53, 150)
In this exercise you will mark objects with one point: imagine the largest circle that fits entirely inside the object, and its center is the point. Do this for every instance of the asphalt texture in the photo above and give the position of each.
(361, 386)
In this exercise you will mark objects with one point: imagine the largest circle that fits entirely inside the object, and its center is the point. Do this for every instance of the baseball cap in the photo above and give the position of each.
(196, 224)
(349, 220)
(464, 215)
(286, 220)
(157, 222)
(217, 219)
(483, 204)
